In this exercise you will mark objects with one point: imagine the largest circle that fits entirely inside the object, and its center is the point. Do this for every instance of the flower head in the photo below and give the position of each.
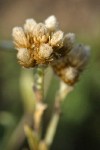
(45, 44)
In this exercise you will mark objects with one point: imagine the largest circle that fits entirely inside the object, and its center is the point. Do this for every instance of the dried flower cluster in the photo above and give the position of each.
(44, 43)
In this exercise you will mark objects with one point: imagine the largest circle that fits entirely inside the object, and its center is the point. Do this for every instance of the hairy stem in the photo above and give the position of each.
(39, 94)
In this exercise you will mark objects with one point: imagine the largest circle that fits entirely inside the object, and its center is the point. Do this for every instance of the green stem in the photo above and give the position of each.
(32, 139)
(51, 130)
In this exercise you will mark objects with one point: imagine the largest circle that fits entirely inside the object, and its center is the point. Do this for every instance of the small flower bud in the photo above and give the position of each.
(69, 75)
(51, 23)
(29, 25)
(41, 32)
(23, 55)
(69, 40)
(57, 39)
(45, 50)
(19, 37)
(79, 56)
(70, 37)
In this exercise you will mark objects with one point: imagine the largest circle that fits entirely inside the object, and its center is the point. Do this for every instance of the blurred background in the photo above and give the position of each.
(79, 126)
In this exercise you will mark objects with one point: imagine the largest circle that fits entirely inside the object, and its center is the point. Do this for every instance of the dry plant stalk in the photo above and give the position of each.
(40, 45)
